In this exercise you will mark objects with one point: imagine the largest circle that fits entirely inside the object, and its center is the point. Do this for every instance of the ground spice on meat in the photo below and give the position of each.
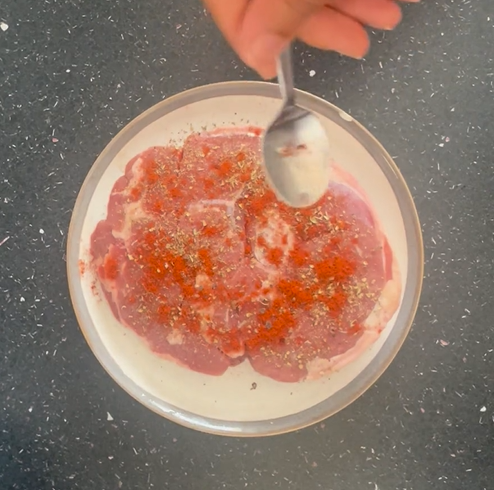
(159, 265)
(198, 265)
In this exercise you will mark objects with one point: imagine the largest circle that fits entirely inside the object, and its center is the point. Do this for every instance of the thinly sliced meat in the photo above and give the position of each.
(217, 244)
(251, 281)
(191, 351)
(340, 206)
(342, 201)
(132, 313)
(174, 336)
(110, 272)
(365, 254)
(152, 165)
(101, 239)
(199, 258)
(120, 185)
(152, 267)
(216, 232)
(218, 164)
(313, 340)
(271, 239)
(117, 207)
(342, 273)
(149, 188)
(233, 321)
(278, 363)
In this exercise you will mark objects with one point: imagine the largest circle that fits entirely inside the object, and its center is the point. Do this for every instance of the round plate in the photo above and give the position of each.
(241, 402)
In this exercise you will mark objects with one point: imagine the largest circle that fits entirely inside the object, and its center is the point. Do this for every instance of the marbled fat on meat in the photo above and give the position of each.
(198, 257)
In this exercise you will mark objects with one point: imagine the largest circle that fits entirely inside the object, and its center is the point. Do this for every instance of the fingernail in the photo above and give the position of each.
(262, 54)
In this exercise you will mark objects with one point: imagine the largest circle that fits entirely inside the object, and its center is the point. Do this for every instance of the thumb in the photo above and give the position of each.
(268, 27)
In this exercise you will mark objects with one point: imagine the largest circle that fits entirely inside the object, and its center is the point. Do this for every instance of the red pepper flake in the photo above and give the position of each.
(336, 268)
(275, 256)
(354, 329)
(150, 169)
(296, 293)
(335, 241)
(225, 169)
(211, 231)
(255, 131)
(258, 205)
(163, 313)
(209, 184)
(156, 206)
(336, 302)
(261, 242)
(111, 268)
(299, 257)
(244, 177)
(82, 267)
(136, 192)
(230, 342)
(274, 323)
(175, 193)
(207, 263)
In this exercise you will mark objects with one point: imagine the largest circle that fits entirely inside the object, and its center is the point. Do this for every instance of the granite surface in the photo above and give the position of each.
(72, 74)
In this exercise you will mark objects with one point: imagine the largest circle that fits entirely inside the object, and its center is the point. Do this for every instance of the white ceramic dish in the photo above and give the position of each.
(227, 404)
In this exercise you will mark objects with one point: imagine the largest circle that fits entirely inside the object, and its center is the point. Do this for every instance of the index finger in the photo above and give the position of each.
(260, 29)
(269, 26)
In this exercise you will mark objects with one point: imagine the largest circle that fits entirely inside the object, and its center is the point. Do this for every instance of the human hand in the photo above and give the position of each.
(259, 30)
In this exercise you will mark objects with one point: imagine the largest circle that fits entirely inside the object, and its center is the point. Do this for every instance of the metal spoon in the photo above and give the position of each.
(296, 147)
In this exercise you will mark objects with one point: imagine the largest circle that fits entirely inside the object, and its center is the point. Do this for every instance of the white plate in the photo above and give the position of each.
(228, 404)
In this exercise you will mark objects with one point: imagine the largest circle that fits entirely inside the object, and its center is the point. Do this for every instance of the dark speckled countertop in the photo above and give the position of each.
(72, 74)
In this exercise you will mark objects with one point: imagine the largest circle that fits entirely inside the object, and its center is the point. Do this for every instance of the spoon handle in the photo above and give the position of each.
(285, 76)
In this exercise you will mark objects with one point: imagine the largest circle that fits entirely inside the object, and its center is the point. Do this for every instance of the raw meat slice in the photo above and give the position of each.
(101, 239)
(218, 247)
(216, 226)
(235, 320)
(314, 339)
(331, 307)
(199, 258)
(153, 167)
(173, 340)
(109, 271)
(191, 351)
(251, 281)
(149, 188)
(271, 239)
(218, 164)
(153, 267)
